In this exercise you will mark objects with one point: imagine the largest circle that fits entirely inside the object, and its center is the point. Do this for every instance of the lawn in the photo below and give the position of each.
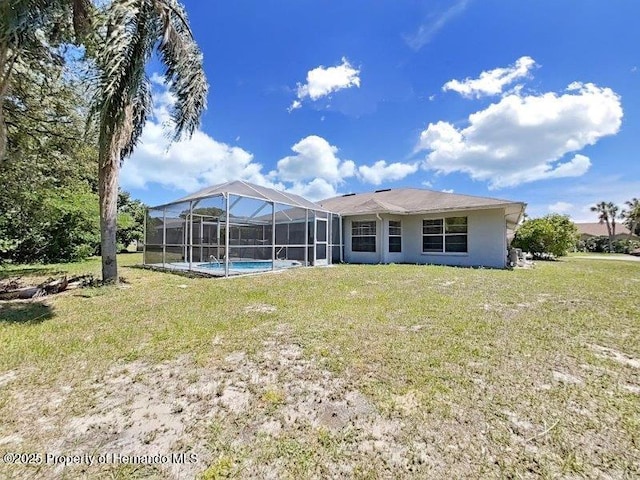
(393, 371)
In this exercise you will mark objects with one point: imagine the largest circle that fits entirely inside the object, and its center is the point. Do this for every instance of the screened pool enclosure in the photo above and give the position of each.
(237, 228)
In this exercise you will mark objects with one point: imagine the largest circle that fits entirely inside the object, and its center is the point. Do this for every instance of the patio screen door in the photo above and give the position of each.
(321, 242)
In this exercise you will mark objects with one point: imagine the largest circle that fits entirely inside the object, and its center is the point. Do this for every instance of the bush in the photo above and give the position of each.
(601, 245)
(553, 234)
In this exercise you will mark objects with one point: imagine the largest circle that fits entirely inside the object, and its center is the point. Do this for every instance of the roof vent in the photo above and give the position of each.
(348, 194)
(383, 190)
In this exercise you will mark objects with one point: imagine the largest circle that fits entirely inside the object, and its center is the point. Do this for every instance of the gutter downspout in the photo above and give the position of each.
(226, 238)
(144, 237)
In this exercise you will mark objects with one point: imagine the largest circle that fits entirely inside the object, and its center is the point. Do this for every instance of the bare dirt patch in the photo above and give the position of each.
(610, 353)
(260, 308)
(272, 410)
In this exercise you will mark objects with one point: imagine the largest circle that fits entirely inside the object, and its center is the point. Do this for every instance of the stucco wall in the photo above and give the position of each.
(486, 242)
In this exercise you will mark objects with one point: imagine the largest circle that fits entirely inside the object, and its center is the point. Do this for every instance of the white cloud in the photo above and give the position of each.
(188, 164)
(381, 172)
(314, 158)
(561, 207)
(522, 138)
(434, 24)
(447, 190)
(294, 106)
(491, 82)
(316, 189)
(322, 81)
(157, 79)
(427, 184)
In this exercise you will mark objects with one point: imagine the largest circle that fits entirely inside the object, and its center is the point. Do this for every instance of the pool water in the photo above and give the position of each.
(250, 265)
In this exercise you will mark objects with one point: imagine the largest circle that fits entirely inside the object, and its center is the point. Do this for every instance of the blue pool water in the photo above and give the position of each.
(250, 265)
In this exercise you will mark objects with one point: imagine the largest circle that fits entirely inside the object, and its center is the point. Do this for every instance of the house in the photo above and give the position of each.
(589, 230)
(409, 225)
(238, 227)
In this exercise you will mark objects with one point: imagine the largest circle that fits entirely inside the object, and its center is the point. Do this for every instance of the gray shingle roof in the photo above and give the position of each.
(405, 201)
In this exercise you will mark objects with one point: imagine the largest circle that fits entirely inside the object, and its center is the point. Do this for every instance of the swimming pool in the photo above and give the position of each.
(250, 265)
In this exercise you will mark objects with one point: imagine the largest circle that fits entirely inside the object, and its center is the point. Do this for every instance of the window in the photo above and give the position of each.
(363, 236)
(445, 235)
(395, 236)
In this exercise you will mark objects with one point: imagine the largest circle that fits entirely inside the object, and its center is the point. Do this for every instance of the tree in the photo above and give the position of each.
(607, 213)
(553, 234)
(631, 215)
(134, 29)
(49, 202)
(130, 220)
(30, 30)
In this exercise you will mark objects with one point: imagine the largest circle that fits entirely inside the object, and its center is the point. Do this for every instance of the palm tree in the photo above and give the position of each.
(607, 213)
(134, 28)
(632, 215)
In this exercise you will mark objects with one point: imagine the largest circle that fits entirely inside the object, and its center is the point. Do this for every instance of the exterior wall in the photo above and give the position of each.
(486, 241)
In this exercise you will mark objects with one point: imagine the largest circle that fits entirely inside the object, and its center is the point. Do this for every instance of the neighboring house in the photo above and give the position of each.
(409, 225)
(589, 230)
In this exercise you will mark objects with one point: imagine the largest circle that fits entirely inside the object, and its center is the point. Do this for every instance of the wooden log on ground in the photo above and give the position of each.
(22, 293)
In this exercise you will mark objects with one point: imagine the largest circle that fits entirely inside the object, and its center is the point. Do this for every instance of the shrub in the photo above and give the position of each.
(553, 234)
(601, 245)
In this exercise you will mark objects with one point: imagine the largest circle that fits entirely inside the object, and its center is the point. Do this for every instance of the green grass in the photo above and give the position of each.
(475, 349)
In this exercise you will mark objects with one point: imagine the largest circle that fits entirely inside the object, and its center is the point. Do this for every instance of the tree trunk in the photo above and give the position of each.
(3, 132)
(6, 67)
(108, 191)
(610, 236)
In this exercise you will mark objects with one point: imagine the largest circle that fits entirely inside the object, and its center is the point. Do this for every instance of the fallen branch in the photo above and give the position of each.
(21, 293)
(13, 291)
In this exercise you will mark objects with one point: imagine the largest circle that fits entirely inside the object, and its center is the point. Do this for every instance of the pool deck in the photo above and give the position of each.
(214, 272)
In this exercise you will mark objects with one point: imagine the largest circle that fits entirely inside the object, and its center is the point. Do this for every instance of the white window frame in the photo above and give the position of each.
(395, 235)
(361, 235)
(444, 234)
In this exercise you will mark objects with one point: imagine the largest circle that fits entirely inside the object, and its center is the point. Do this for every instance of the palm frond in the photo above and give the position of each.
(123, 99)
(184, 67)
(122, 95)
(140, 108)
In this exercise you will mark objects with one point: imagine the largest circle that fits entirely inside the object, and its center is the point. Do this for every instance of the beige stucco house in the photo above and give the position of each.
(409, 225)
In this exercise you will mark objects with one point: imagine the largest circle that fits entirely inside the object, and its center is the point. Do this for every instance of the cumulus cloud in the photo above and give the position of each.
(523, 138)
(188, 164)
(316, 189)
(491, 82)
(314, 158)
(322, 81)
(382, 172)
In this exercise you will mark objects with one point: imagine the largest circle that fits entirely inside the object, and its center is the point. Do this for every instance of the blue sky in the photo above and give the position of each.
(535, 101)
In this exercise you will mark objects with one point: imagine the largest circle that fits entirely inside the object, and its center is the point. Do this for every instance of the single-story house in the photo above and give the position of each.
(589, 230)
(409, 225)
(237, 227)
